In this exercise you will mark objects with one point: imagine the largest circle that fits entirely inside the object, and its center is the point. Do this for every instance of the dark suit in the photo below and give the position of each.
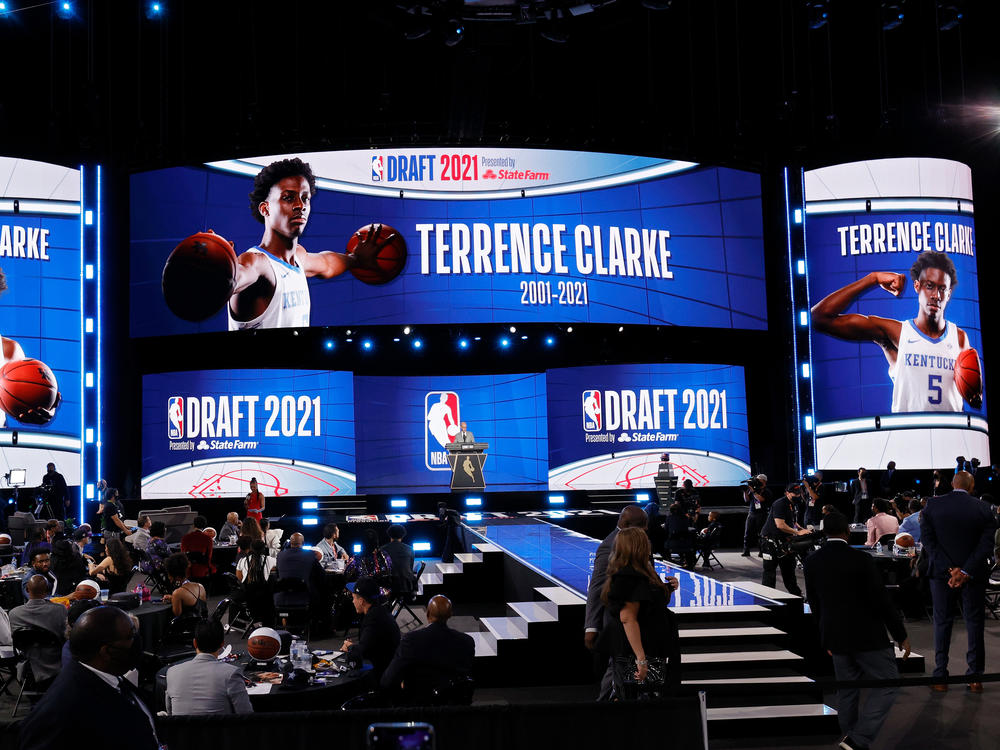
(957, 531)
(596, 617)
(429, 657)
(889, 483)
(404, 580)
(378, 640)
(848, 598)
(862, 499)
(71, 703)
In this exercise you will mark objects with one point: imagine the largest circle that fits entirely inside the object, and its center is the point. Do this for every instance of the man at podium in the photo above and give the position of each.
(464, 436)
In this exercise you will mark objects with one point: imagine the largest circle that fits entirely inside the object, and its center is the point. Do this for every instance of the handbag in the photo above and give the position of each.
(627, 688)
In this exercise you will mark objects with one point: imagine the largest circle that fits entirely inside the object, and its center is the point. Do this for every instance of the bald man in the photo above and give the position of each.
(296, 562)
(430, 656)
(39, 612)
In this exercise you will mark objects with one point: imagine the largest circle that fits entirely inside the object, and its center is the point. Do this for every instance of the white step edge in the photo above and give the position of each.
(431, 579)
(766, 591)
(802, 710)
(796, 678)
(449, 567)
(762, 632)
(742, 609)
(506, 628)
(913, 654)
(561, 596)
(486, 644)
(468, 557)
(536, 611)
(487, 547)
(724, 657)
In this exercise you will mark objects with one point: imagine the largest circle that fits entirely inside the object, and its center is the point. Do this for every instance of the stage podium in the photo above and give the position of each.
(467, 461)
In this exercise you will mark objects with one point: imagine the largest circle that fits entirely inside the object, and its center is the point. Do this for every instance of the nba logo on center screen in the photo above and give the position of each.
(175, 417)
(592, 418)
(441, 422)
(378, 167)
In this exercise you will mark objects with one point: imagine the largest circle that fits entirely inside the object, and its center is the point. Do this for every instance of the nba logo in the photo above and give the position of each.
(175, 417)
(378, 165)
(441, 422)
(592, 420)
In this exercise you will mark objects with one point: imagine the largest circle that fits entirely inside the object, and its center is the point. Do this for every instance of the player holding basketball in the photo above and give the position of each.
(921, 352)
(271, 289)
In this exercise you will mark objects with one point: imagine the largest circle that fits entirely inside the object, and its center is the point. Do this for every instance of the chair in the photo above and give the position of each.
(26, 639)
(293, 612)
(7, 553)
(708, 546)
(155, 579)
(887, 539)
(993, 592)
(455, 692)
(403, 599)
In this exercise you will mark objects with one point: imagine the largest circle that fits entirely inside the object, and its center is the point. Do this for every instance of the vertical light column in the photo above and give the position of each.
(90, 325)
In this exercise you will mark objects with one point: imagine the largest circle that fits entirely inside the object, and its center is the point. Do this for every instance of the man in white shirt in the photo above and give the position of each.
(140, 538)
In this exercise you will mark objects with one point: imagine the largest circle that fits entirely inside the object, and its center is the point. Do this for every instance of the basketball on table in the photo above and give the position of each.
(969, 377)
(199, 276)
(264, 644)
(904, 540)
(378, 253)
(25, 385)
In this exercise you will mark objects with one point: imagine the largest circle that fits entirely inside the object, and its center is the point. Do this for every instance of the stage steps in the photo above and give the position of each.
(470, 576)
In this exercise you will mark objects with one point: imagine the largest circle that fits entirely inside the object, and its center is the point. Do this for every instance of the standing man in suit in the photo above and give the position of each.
(889, 482)
(632, 516)
(432, 655)
(205, 685)
(853, 609)
(957, 532)
(862, 495)
(464, 436)
(105, 646)
(404, 580)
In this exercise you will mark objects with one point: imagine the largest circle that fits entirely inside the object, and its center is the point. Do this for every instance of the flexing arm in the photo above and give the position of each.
(827, 317)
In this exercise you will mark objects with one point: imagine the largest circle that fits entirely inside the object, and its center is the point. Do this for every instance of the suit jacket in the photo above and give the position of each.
(594, 617)
(401, 555)
(205, 685)
(378, 640)
(856, 490)
(201, 543)
(846, 594)
(465, 437)
(41, 613)
(71, 702)
(428, 657)
(957, 531)
(889, 482)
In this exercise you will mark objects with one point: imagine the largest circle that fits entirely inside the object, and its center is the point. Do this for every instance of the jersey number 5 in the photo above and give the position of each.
(934, 386)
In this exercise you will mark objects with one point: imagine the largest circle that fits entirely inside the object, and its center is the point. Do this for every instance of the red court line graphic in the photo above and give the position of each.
(686, 472)
(211, 486)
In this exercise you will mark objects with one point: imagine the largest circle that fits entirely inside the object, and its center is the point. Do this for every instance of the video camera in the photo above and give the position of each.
(754, 484)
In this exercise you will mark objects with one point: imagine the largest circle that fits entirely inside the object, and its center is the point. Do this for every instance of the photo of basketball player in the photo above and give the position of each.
(267, 287)
(11, 352)
(922, 352)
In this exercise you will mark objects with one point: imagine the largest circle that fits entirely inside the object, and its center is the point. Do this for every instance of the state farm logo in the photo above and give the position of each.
(378, 168)
(489, 174)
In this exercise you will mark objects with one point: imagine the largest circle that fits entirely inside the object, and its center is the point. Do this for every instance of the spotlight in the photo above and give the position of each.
(65, 9)
(328, 344)
(367, 345)
(621, 328)
(569, 329)
(513, 329)
(154, 11)
(504, 342)
(418, 344)
(463, 343)
(406, 331)
(4, 8)
(348, 332)
(524, 338)
(454, 32)
(479, 338)
(550, 341)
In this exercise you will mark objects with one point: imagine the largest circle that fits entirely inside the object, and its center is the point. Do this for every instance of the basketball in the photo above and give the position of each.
(27, 384)
(264, 644)
(904, 540)
(390, 254)
(968, 376)
(199, 276)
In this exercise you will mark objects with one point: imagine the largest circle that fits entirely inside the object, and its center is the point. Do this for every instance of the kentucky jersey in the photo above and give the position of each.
(923, 378)
(289, 306)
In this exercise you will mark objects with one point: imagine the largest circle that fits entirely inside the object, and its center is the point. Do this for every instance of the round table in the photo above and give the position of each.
(153, 621)
(311, 697)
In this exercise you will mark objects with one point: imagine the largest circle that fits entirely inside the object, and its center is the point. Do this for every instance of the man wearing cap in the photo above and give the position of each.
(379, 636)
(400, 555)
(205, 685)
(758, 500)
(430, 656)
(39, 612)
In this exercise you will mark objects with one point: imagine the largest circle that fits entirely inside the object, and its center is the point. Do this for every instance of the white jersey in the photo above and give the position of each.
(923, 378)
(289, 306)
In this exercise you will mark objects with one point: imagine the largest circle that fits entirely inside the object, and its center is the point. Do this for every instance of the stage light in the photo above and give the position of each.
(810, 472)
(4, 8)
(467, 516)
(463, 343)
(367, 345)
(504, 342)
(473, 502)
(549, 341)
(88, 325)
(454, 32)
(64, 9)
(154, 11)
(406, 331)
(557, 499)
(800, 266)
(642, 497)
(88, 271)
(524, 338)
(89, 378)
(621, 328)
(803, 318)
(513, 329)
(328, 344)
(396, 339)
(398, 517)
(356, 549)
(399, 502)
(557, 514)
(808, 420)
(418, 344)
(90, 491)
(89, 435)
(347, 332)
(805, 369)
(797, 216)
(421, 546)
(310, 505)
(819, 13)
(892, 16)
(478, 338)
(569, 329)
(310, 521)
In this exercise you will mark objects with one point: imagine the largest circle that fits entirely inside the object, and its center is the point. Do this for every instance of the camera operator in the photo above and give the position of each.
(758, 499)
(55, 492)
(778, 529)
(814, 494)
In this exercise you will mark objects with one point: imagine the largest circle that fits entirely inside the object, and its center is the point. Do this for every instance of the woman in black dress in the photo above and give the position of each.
(642, 627)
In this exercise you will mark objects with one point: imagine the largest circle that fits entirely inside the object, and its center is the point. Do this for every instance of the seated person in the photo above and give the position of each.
(68, 566)
(36, 540)
(707, 534)
(40, 562)
(430, 656)
(39, 612)
(140, 538)
(157, 550)
(187, 596)
(197, 545)
(881, 522)
(115, 569)
(688, 496)
(329, 547)
(205, 685)
(294, 562)
(253, 570)
(52, 531)
(231, 528)
(211, 533)
(680, 538)
(404, 580)
(379, 636)
(911, 523)
(272, 537)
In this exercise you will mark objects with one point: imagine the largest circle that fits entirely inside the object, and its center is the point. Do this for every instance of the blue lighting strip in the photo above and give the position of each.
(795, 315)
(83, 369)
(812, 395)
(99, 219)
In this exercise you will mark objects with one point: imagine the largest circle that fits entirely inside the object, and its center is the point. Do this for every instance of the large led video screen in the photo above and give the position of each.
(459, 235)
(40, 321)
(207, 433)
(408, 422)
(897, 359)
(609, 425)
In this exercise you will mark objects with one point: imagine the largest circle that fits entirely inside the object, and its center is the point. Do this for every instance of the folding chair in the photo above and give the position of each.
(403, 599)
(293, 613)
(709, 545)
(993, 592)
(26, 639)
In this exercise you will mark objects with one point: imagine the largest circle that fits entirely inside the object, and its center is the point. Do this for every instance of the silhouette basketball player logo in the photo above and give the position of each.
(175, 417)
(468, 469)
(441, 419)
(592, 421)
